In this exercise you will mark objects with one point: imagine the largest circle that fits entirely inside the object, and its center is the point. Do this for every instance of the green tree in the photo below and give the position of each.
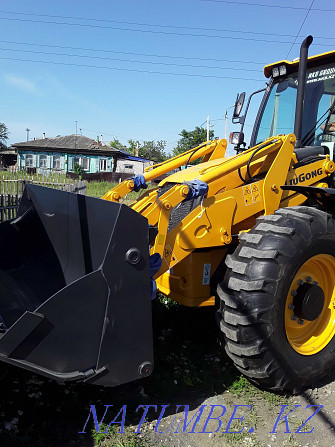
(118, 145)
(192, 139)
(78, 169)
(132, 146)
(153, 150)
(3, 136)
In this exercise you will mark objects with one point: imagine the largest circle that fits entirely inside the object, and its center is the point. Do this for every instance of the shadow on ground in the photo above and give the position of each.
(189, 367)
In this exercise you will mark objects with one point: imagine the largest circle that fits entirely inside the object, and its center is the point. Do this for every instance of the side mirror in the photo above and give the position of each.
(238, 105)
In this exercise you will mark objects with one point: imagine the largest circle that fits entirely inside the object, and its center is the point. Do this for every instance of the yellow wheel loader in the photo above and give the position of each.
(254, 232)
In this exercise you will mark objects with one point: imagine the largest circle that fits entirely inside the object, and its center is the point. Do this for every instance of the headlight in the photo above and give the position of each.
(275, 72)
(279, 71)
(282, 70)
(236, 138)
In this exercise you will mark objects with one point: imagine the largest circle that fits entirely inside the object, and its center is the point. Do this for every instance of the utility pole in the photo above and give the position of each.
(207, 127)
(75, 140)
(27, 130)
(226, 125)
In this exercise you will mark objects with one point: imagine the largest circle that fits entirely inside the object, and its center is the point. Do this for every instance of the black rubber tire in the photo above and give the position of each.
(253, 296)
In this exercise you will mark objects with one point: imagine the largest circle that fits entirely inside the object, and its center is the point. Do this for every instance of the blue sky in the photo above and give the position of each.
(143, 70)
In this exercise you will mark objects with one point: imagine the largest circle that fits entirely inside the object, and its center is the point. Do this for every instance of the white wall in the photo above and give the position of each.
(137, 166)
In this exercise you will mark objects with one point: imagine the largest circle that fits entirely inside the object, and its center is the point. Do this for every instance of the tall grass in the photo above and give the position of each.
(98, 189)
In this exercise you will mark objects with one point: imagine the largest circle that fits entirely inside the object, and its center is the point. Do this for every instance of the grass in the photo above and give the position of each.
(98, 189)
(241, 387)
(113, 438)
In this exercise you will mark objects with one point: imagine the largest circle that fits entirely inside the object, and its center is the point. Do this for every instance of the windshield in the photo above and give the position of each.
(318, 122)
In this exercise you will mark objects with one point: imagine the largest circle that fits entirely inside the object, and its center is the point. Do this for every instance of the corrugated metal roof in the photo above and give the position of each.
(132, 157)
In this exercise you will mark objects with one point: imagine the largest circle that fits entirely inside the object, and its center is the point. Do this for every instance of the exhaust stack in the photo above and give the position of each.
(299, 108)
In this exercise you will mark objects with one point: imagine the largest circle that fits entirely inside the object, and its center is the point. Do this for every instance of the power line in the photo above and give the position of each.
(303, 22)
(267, 5)
(214, 36)
(116, 28)
(128, 60)
(156, 25)
(133, 54)
(129, 69)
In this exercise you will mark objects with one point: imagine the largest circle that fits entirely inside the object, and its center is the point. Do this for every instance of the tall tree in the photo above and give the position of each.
(118, 145)
(192, 139)
(132, 146)
(153, 150)
(3, 136)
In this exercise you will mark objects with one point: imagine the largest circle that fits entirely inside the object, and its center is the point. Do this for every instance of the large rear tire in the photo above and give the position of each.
(277, 309)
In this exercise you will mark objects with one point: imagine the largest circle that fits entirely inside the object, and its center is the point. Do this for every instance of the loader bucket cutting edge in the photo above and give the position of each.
(75, 303)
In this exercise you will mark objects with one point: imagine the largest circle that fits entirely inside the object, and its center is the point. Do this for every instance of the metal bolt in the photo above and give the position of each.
(315, 283)
(308, 279)
(291, 306)
(294, 317)
(300, 282)
(301, 321)
(294, 292)
(133, 256)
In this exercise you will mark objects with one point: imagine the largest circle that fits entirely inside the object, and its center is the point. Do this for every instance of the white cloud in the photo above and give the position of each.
(21, 83)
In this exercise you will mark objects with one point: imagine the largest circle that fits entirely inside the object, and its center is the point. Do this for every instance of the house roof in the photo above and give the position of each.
(72, 142)
(78, 144)
(8, 151)
(132, 157)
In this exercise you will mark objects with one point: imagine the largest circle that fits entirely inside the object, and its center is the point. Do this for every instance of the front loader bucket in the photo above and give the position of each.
(75, 298)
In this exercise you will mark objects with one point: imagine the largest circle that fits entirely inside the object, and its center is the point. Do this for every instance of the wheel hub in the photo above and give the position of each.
(309, 301)
(310, 305)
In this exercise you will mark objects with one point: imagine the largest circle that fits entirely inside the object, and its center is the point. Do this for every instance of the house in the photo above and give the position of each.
(62, 154)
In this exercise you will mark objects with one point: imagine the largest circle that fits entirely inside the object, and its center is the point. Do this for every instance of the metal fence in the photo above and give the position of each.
(12, 186)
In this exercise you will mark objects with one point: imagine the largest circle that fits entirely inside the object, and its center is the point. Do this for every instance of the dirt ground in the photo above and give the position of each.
(191, 370)
(259, 423)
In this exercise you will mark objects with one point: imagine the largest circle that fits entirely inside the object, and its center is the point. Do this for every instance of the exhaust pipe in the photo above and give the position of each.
(299, 107)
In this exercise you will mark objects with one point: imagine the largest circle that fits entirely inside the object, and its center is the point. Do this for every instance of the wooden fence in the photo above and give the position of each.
(11, 190)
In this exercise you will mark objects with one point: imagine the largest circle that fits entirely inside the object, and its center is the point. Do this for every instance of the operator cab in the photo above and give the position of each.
(276, 114)
(277, 110)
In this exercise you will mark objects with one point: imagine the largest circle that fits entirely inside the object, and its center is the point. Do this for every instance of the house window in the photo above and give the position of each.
(103, 164)
(129, 166)
(56, 162)
(43, 161)
(29, 160)
(83, 162)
